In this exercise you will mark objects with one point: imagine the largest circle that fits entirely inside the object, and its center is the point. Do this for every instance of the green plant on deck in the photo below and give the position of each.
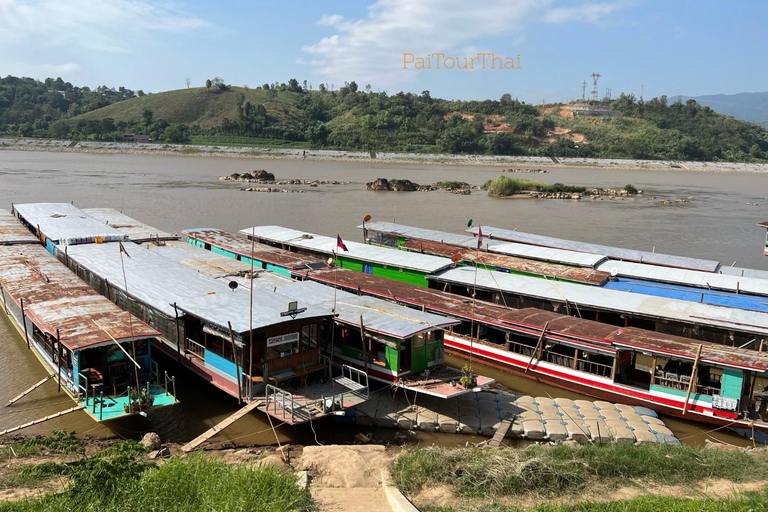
(468, 379)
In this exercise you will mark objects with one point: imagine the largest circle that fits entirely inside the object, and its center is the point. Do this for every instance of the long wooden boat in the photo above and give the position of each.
(572, 353)
(97, 354)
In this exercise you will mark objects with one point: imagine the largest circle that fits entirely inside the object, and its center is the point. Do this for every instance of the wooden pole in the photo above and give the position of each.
(58, 353)
(694, 374)
(762, 343)
(24, 322)
(237, 367)
(178, 334)
(538, 344)
(250, 320)
(362, 336)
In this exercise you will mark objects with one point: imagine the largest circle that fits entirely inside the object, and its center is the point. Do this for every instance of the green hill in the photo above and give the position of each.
(207, 108)
(349, 118)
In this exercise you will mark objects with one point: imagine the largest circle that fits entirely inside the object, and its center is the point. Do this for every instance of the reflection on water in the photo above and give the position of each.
(173, 193)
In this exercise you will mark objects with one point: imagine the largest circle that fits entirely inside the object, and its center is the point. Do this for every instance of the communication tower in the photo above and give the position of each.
(593, 96)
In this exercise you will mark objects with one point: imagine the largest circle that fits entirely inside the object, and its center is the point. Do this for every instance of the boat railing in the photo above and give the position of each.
(196, 349)
(285, 400)
(326, 360)
(521, 348)
(246, 385)
(682, 383)
(81, 377)
(169, 380)
(603, 370)
(354, 379)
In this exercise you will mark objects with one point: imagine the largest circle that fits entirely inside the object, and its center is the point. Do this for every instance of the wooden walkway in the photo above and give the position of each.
(199, 440)
(501, 432)
(41, 420)
(28, 391)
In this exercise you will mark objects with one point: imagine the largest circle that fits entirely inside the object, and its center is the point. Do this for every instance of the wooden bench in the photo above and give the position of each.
(296, 365)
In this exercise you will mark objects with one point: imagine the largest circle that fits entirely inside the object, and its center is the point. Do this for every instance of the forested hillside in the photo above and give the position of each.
(355, 118)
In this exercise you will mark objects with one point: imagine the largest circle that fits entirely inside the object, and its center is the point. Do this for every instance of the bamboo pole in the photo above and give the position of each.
(362, 336)
(24, 321)
(237, 367)
(178, 334)
(694, 374)
(538, 344)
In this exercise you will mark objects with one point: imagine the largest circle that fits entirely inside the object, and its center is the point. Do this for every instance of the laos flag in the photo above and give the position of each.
(340, 243)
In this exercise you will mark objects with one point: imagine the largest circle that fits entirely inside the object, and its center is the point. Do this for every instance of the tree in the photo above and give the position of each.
(140, 93)
(147, 116)
(187, 81)
(322, 87)
(208, 84)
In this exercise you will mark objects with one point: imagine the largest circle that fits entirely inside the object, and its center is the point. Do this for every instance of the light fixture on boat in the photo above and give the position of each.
(142, 413)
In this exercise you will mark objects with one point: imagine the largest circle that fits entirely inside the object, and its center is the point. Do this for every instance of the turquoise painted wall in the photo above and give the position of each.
(682, 393)
(732, 384)
(221, 364)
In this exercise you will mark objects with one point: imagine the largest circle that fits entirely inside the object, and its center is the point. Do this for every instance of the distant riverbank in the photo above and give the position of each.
(137, 148)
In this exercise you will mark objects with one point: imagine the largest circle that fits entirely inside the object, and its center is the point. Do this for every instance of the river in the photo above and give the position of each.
(177, 192)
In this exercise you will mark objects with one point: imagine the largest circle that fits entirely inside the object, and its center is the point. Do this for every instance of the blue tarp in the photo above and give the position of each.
(671, 291)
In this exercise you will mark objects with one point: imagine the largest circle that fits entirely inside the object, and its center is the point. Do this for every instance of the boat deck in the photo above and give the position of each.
(109, 408)
(438, 383)
(314, 401)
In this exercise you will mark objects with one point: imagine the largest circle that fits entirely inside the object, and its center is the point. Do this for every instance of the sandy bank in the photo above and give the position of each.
(136, 148)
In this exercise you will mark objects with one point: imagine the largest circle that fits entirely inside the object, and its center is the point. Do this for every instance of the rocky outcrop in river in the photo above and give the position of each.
(267, 178)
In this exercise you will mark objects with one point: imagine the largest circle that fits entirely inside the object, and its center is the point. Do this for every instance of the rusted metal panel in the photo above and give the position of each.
(55, 298)
(13, 232)
(240, 244)
(432, 300)
(534, 267)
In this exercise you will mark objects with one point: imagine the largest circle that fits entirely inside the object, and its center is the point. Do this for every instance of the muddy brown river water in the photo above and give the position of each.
(176, 192)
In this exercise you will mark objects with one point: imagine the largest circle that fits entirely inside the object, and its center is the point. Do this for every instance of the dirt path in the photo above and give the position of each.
(346, 478)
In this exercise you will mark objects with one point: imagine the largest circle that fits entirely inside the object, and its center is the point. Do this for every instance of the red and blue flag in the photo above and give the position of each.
(340, 243)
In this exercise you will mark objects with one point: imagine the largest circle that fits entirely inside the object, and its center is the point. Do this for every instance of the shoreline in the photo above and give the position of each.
(389, 158)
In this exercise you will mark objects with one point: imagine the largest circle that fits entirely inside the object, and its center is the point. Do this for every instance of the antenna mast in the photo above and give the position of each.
(593, 96)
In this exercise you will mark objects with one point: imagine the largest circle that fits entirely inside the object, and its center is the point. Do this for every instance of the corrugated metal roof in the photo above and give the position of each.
(160, 282)
(378, 315)
(13, 232)
(136, 230)
(55, 298)
(64, 224)
(241, 244)
(510, 263)
(363, 252)
(208, 263)
(610, 300)
(579, 259)
(617, 253)
(433, 300)
(687, 277)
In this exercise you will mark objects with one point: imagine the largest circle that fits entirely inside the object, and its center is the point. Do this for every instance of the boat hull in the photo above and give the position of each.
(592, 385)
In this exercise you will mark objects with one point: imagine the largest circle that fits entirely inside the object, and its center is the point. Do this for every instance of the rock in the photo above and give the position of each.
(710, 445)
(262, 175)
(404, 186)
(381, 184)
(162, 453)
(151, 440)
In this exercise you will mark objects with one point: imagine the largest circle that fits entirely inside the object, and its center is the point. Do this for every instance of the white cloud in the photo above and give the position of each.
(370, 50)
(89, 24)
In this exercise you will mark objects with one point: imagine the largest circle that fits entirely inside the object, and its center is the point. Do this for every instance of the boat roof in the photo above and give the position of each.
(208, 263)
(241, 244)
(433, 300)
(667, 345)
(616, 253)
(377, 315)
(579, 259)
(55, 298)
(693, 278)
(763, 224)
(589, 331)
(610, 300)
(13, 232)
(506, 263)
(136, 230)
(160, 282)
(371, 253)
(65, 224)
(743, 272)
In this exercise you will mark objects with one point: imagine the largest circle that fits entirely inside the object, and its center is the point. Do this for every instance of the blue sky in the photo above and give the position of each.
(680, 47)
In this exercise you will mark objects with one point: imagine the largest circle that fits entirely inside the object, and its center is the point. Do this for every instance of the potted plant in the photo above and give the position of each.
(468, 379)
(133, 396)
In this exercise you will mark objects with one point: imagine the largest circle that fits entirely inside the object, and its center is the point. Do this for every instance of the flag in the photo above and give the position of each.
(340, 243)
(122, 249)
(479, 237)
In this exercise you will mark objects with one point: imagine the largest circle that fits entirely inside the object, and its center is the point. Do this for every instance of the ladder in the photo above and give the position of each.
(196, 442)
(28, 391)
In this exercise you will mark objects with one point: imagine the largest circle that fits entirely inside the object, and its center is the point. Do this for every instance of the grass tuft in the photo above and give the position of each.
(504, 186)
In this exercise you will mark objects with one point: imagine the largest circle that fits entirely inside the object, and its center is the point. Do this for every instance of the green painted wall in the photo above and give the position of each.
(732, 384)
(405, 276)
(682, 393)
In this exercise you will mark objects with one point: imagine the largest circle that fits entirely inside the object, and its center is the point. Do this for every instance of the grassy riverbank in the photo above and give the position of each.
(504, 186)
(121, 478)
(580, 478)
